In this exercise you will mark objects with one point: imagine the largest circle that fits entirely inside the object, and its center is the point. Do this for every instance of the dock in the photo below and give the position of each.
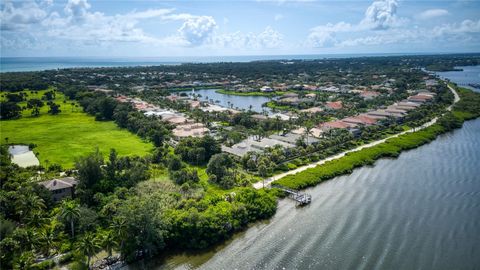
(299, 197)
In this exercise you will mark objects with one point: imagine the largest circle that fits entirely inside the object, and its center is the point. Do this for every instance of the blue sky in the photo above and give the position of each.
(210, 28)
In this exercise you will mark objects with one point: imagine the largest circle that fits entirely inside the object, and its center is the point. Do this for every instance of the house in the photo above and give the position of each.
(312, 110)
(251, 144)
(335, 105)
(363, 120)
(190, 130)
(292, 138)
(367, 95)
(336, 124)
(290, 95)
(266, 89)
(420, 98)
(61, 188)
(311, 95)
(315, 132)
(259, 117)
(382, 114)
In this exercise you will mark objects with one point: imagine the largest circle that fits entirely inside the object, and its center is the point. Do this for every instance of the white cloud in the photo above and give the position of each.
(267, 39)
(77, 9)
(381, 15)
(465, 27)
(14, 17)
(278, 17)
(197, 30)
(432, 13)
(79, 25)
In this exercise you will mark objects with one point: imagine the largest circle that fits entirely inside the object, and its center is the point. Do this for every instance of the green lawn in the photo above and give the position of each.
(64, 137)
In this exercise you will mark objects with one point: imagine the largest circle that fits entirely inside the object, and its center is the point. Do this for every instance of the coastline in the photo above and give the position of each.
(391, 146)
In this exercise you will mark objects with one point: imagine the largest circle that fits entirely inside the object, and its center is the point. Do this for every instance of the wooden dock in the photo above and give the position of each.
(299, 197)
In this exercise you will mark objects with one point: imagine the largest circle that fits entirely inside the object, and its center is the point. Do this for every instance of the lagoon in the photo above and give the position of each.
(238, 102)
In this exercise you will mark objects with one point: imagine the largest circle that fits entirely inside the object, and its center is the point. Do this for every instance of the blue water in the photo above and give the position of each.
(468, 75)
(240, 102)
(13, 64)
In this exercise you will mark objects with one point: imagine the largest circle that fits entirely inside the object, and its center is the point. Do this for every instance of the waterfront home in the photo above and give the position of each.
(61, 188)
(362, 119)
(383, 114)
(266, 89)
(256, 145)
(292, 138)
(420, 98)
(259, 117)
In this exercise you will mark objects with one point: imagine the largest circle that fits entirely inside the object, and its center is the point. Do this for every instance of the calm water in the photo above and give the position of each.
(239, 102)
(470, 74)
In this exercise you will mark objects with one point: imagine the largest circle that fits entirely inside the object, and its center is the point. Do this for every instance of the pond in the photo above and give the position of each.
(239, 102)
(23, 156)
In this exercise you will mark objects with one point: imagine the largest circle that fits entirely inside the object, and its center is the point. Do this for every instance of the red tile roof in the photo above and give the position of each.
(334, 105)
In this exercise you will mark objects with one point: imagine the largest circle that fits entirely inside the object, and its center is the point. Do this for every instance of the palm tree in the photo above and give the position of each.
(24, 261)
(109, 242)
(47, 239)
(69, 211)
(29, 203)
(119, 228)
(308, 129)
(88, 246)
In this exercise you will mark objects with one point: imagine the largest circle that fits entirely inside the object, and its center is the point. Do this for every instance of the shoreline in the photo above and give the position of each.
(268, 181)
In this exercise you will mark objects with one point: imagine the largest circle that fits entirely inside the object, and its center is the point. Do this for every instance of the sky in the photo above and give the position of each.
(127, 28)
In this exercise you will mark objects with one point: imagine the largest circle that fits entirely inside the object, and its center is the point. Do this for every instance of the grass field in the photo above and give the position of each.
(72, 133)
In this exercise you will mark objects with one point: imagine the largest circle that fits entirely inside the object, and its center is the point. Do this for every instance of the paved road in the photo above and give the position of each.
(269, 180)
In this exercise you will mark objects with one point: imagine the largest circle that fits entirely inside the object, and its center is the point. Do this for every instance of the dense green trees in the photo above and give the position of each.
(35, 105)
(197, 150)
(221, 170)
(10, 110)
(94, 176)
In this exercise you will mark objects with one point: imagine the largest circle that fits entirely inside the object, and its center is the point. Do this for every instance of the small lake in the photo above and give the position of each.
(23, 156)
(470, 74)
(239, 102)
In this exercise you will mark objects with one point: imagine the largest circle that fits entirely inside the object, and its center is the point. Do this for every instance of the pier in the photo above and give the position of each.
(299, 197)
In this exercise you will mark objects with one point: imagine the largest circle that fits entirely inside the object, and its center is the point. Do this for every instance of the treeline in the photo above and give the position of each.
(19, 81)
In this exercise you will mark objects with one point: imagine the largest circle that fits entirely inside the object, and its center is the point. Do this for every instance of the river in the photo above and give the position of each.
(468, 75)
(419, 211)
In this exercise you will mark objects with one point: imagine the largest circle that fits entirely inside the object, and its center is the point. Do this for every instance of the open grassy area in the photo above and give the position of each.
(72, 133)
